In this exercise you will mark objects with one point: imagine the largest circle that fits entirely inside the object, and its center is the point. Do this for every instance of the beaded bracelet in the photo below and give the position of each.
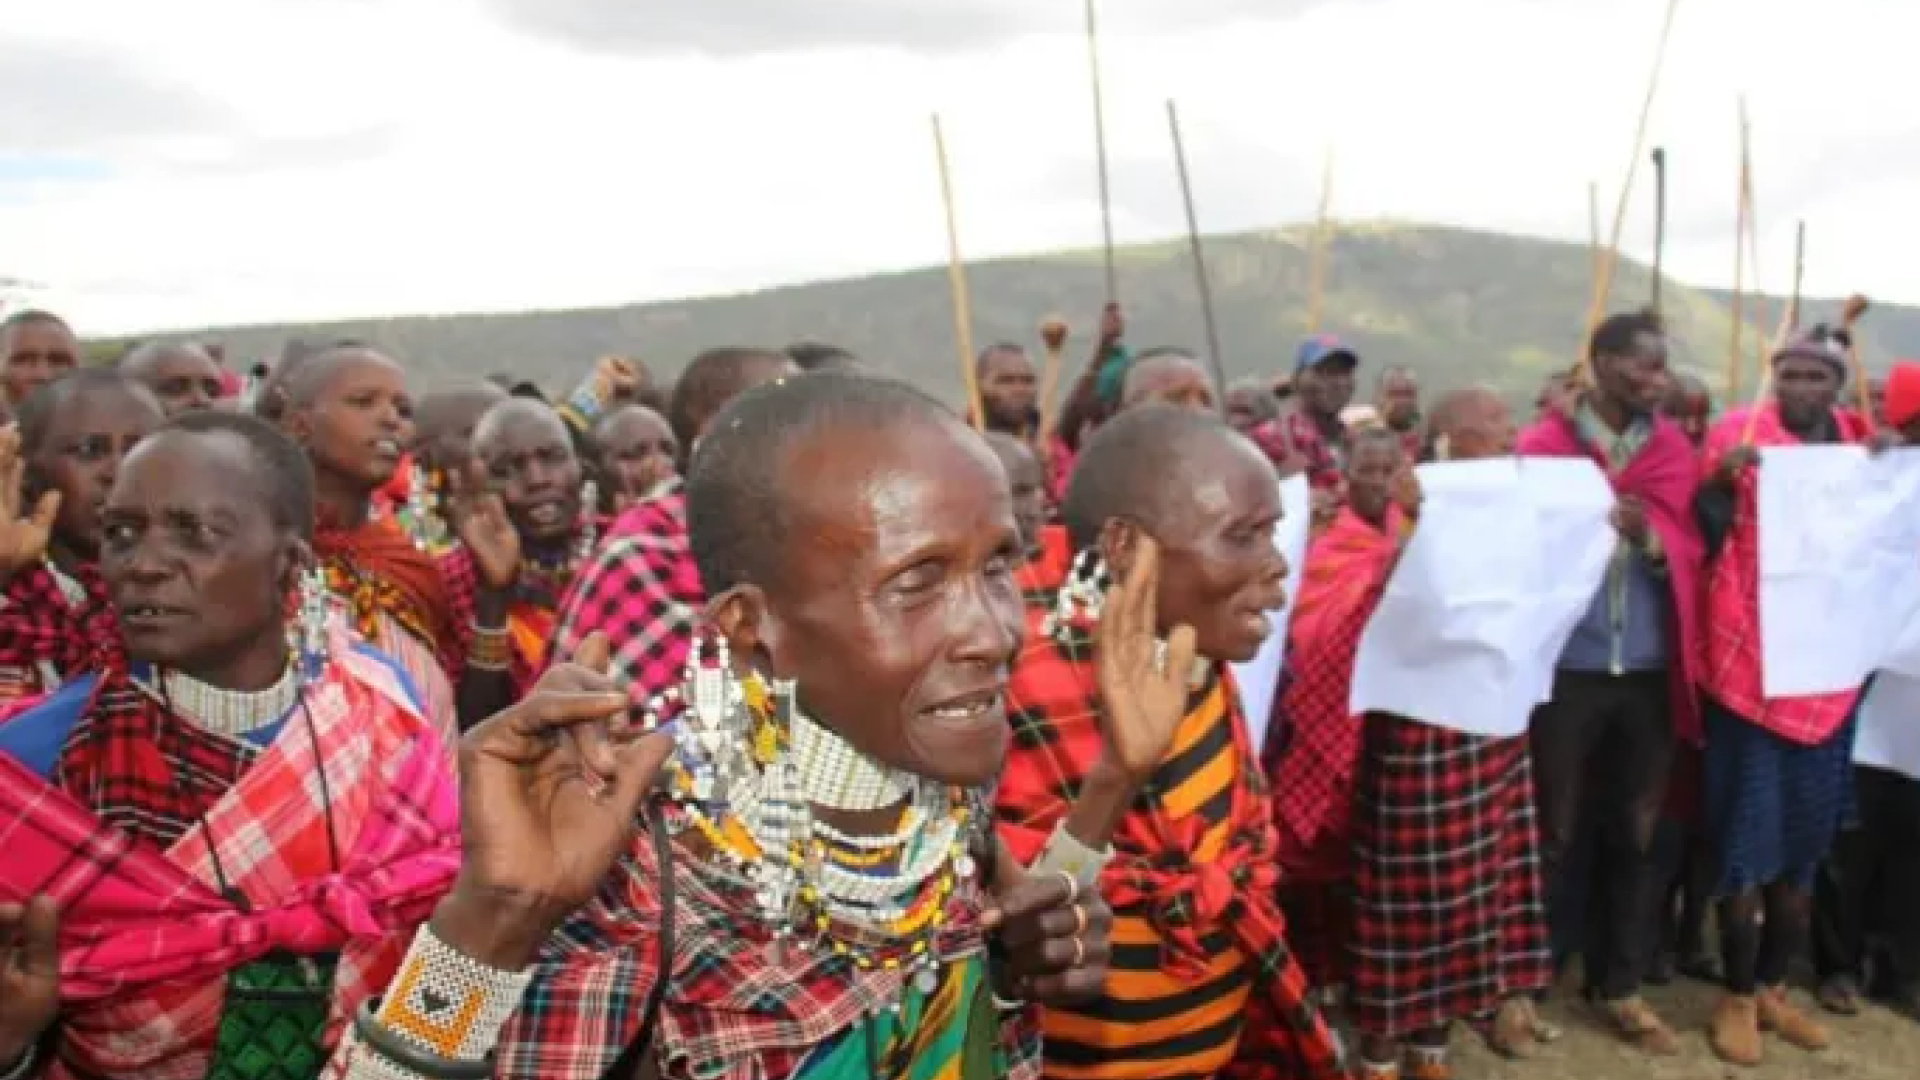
(1065, 854)
(491, 648)
(446, 1003)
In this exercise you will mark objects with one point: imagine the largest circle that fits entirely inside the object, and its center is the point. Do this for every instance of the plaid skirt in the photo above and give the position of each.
(1449, 915)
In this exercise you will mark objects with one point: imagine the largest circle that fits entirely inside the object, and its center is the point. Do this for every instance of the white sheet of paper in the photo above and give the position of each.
(1507, 556)
(1839, 539)
(1889, 732)
(1258, 677)
(1573, 501)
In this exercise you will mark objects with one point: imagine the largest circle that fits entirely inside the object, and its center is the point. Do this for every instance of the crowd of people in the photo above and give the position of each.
(787, 723)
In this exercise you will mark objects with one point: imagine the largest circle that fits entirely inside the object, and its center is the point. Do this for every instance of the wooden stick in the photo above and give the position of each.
(1199, 252)
(1100, 150)
(1322, 247)
(1744, 208)
(1593, 233)
(1799, 271)
(1596, 307)
(1762, 345)
(957, 284)
(1659, 219)
(1053, 338)
(1857, 371)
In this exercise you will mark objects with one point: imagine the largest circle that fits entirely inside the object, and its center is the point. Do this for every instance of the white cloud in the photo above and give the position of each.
(432, 155)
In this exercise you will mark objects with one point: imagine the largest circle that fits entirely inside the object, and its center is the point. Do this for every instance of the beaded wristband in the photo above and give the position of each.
(491, 649)
(20, 1069)
(1065, 854)
(448, 1004)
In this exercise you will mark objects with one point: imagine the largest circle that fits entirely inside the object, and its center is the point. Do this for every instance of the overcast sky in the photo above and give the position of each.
(214, 161)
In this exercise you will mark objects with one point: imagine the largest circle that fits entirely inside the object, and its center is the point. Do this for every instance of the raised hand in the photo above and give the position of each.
(1143, 689)
(550, 795)
(23, 540)
(29, 975)
(480, 520)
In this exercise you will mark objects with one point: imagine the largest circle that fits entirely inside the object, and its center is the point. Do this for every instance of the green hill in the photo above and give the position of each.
(1456, 305)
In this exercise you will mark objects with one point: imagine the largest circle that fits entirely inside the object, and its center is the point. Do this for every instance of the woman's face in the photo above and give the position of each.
(529, 460)
(197, 573)
(1370, 473)
(357, 420)
(896, 610)
(637, 453)
(88, 433)
(1219, 570)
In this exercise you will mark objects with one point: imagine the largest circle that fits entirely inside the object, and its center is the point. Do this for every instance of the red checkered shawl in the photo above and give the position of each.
(1345, 573)
(1213, 870)
(532, 613)
(735, 1010)
(642, 590)
(1732, 647)
(147, 938)
(1046, 570)
(1664, 476)
(41, 629)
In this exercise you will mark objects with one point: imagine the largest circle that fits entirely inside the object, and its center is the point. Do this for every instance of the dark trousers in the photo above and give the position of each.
(1869, 889)
(1602, 750)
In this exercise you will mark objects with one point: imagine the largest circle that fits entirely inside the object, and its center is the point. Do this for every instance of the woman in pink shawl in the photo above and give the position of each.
(231, 824)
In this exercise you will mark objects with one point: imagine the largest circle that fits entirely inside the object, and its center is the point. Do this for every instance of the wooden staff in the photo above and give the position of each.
(1863, 400)
(957, 284)
(1659, 219)
(1100, 151)
(1596, 306)
(1199, 252)
(1593, 234)
(1799, 271)
(1322, 247)
(1743, 213)
(1053, 338)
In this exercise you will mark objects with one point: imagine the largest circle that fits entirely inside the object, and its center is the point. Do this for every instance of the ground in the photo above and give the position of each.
(1877, 1045)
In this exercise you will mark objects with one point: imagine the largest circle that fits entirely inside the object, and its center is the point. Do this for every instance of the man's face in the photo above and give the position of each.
(1399, 402)
(1008, 388)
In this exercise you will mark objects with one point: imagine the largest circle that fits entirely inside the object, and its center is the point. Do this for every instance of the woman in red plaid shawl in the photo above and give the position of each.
(1778, 770)
(1202, 982)
(524, 528)
(1346, 571)
(61, 459)
(858, 544)
(232, 819)
(348, 407)
(1449, 915)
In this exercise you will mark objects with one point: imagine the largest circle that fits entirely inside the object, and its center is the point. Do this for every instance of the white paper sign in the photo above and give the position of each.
(1258, 677)
(1506, 558)
(1889, 732)
(1839, 566)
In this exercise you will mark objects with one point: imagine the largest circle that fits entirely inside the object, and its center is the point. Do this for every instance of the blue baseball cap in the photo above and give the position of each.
(1324, 348)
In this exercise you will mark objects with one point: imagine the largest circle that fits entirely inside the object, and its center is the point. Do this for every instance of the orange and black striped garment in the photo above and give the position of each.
(1202, 984)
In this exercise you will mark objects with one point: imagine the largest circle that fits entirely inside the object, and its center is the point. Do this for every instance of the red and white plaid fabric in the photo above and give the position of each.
(147, 939)
(1731, 652)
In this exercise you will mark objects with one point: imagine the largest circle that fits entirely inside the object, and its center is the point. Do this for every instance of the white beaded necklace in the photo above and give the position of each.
(226, 712)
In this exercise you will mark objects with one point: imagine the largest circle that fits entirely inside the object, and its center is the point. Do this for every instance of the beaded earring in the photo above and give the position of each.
(1081, 596)
(419, 505)
(310, 644)
(589, 514)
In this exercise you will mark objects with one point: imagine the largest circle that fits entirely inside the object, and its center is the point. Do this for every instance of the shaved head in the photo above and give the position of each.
(1472, 422)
